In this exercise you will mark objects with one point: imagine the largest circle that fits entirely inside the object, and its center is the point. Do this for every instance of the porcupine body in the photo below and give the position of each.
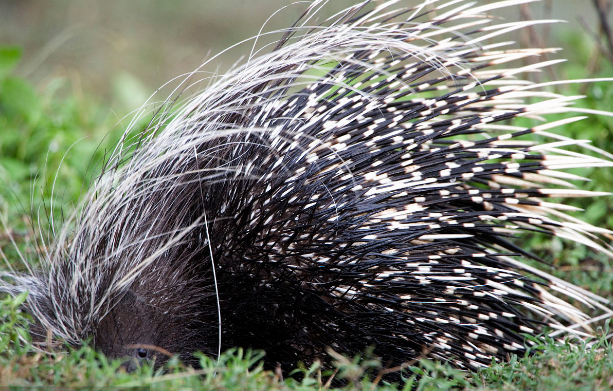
(358, 185)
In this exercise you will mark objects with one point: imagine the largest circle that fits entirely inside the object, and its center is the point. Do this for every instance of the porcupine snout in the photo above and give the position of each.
(138, 331)
(153, 325)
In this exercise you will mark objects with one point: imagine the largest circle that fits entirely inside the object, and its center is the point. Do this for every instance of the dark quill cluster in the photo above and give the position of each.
(360, 185)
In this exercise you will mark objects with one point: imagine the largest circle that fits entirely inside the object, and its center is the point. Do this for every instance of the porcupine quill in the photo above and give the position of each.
(359, 185)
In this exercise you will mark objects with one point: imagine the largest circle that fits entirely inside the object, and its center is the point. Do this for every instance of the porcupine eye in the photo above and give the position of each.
(135, 358)
(142, 353)
(138, 354)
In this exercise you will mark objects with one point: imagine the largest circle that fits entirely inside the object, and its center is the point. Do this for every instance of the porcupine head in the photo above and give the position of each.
(150, 319)
(325, 194)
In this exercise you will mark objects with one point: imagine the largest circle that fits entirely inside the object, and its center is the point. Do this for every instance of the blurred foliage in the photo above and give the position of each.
(52, 144)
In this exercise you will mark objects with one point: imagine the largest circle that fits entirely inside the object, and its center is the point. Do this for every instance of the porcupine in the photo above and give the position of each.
(359, 185)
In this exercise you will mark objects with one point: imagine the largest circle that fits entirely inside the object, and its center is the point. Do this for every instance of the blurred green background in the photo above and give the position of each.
(121, 51)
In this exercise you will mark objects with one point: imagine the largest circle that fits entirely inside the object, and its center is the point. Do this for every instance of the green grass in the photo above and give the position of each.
(50, 145)
(552, 366)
